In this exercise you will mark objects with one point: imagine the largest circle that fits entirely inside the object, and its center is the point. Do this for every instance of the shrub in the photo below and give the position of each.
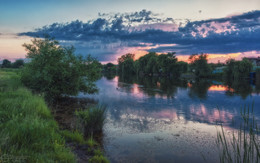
(57, 71)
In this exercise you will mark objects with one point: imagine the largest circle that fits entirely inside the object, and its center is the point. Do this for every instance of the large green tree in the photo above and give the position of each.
(56, 71)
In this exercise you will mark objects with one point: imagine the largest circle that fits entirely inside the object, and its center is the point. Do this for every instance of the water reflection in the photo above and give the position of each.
(167, 120)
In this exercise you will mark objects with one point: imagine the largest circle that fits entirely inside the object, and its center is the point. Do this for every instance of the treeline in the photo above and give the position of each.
(8, 64)
(151, 64)
(154, 64)
(235, 70)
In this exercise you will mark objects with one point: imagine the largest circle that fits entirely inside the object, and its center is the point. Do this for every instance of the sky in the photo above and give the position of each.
(108, 29)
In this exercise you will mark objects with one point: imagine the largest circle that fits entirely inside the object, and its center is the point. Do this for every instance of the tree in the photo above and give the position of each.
(199, 65)
(237, 69)
(109, 68)
(183, 66)
(18, 63)
(6, 63)
(126, 64)
(56, 71)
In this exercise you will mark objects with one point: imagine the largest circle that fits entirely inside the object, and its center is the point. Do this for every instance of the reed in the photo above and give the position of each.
(243, 144)
(92, 119)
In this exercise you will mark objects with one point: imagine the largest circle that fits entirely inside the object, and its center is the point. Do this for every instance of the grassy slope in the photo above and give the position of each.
(28, 132)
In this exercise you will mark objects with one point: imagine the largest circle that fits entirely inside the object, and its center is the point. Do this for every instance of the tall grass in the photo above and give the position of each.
(92, 119)
(28, 132)
(242, 145)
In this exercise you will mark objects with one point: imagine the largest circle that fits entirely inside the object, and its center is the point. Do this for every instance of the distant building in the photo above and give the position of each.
(255, 61)
(218, 70)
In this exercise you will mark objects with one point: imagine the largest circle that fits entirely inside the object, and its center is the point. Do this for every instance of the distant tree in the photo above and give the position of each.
(109, 68)
(243, 68)
(147, 64)
(56, 71)
(18, 63)
(167, 62)
(237, 69)
(6, 63)
(199, 65)
(183, 66)
(126, 64)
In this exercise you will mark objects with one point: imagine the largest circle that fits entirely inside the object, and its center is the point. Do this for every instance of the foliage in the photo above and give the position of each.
(151, 64)
(168, 64)
(199, 65)
(242, 145)
(109, 68)
(18, 63)
(92, 119)
(56, 71)
(183, 66)
(6, 64)
(126, 64)
(28, 131)
(237, 69)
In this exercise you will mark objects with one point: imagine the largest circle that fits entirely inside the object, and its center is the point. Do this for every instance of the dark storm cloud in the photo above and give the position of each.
(237, 33)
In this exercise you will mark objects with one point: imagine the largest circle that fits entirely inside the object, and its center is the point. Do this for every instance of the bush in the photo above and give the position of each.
(56, 71)
(92, 119)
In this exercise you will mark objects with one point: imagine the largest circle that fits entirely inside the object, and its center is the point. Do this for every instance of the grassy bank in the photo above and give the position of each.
(28, 132)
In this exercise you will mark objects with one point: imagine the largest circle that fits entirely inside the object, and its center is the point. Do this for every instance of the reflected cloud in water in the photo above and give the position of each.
(167, 116)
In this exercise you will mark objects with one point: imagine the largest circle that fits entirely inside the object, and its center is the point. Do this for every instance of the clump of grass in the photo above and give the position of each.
(74, 136)
(242, 145)
(28, 132)
(92, 119)
(98, 157)
(91, 142)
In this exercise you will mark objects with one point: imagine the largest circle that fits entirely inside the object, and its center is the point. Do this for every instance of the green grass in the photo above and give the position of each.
(74, 136)
(91, 142)
(92, 119)
(242, 145)
(98, 159)
(28, 132)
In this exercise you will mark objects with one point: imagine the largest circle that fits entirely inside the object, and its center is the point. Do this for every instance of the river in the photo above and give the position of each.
(163, 120)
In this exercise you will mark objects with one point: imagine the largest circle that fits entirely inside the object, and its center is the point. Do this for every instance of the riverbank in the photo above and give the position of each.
(28, 131)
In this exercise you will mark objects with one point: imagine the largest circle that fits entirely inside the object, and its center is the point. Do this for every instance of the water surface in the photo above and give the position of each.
(163, 120)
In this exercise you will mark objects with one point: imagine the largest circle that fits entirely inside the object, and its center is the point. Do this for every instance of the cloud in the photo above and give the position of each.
(108, 33)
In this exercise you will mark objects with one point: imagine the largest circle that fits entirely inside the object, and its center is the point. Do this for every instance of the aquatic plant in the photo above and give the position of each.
(92, 119)
(242, 145)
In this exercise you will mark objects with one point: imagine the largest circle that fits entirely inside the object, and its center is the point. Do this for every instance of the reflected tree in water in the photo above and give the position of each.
(239, 87)
(199, 88)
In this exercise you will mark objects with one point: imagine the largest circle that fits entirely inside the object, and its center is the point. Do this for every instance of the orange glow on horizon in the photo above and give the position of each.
(214, 58)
